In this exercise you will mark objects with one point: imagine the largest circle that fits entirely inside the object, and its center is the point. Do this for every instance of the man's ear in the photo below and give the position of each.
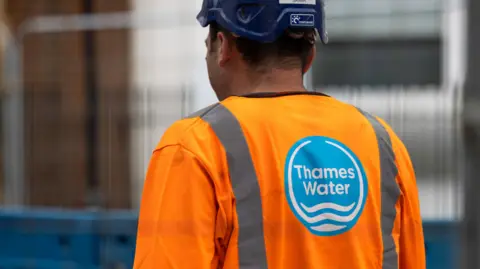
(224, 49)
(310, 58)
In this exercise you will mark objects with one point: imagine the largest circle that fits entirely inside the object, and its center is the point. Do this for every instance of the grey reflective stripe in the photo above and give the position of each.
(251, 241)
(390, 191)
(202, 112)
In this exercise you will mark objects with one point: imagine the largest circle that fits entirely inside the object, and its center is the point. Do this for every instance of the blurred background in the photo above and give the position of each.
(87, 88)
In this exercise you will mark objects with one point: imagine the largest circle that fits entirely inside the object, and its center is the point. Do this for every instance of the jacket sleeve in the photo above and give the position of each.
(411, 243)
(177, 213)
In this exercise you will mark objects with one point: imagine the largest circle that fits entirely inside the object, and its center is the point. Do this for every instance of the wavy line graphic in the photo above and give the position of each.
(322, 206)
(328, 227)
(331, 216)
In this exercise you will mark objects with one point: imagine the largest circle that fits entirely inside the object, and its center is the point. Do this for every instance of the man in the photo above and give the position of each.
(274, 176)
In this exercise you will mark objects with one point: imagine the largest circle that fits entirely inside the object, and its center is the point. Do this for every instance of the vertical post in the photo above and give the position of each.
(13, 149)
(13, 126)
(92, 112)
(3, 75)
(471, 126)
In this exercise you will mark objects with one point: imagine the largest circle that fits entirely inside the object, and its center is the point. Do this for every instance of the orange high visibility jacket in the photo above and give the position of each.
(282, 181)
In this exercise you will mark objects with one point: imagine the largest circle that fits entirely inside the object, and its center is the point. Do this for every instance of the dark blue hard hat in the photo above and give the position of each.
(264, 20)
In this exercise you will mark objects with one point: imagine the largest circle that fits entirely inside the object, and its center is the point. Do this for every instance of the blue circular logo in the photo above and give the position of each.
(325, 185)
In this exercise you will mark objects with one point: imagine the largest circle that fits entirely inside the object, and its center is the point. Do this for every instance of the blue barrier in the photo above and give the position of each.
(117, 232)
(54, 239)
(48, 235)
(43, 264)
(441, 242)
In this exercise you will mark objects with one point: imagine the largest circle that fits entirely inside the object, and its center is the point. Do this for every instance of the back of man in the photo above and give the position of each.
(299, 180)
(274, 176)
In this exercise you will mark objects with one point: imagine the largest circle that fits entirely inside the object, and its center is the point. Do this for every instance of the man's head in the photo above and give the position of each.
(251, 43)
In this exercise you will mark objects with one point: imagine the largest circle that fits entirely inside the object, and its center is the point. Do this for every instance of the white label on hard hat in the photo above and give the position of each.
(299, 2)
(305, 20)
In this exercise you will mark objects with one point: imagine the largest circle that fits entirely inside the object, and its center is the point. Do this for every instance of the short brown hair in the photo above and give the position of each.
(286, 52)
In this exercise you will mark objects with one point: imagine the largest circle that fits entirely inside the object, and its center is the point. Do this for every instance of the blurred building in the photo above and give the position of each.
(72, 81)
(97, 102)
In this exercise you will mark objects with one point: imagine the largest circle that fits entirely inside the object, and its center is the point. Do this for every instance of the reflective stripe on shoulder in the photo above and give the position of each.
(203, 111)
(389, 189)
(251, 241)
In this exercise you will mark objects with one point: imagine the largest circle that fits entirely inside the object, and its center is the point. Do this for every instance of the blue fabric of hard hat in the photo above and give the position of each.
(264, 20)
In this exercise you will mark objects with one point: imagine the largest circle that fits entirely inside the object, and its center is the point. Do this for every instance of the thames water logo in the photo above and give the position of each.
(325, 185)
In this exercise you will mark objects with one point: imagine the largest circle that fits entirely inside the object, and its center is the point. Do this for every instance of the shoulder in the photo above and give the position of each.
(388, 135)
(188, 132)
(398, 146)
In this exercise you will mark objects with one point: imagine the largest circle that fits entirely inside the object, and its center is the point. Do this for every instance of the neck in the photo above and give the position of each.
(276, 80)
